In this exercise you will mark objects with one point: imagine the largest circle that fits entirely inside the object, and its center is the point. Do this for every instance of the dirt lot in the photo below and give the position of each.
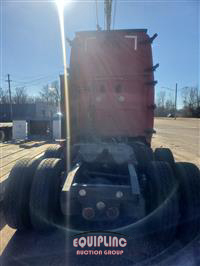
(10, 153)
(181, 135)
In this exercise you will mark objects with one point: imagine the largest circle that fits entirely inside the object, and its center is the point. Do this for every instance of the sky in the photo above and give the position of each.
(30, 44)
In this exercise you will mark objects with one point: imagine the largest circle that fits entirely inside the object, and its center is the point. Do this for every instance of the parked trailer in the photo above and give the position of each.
(117, 182)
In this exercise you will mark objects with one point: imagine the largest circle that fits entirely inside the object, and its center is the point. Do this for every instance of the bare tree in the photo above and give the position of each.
(190, 96)
(50, 93)
(3, 96)
(161, 99)
(31, 99)
(160, 102)
(20, 96)
(191, 101)
(44, 94)
(169, 105)
(38, 99)
(55, 93)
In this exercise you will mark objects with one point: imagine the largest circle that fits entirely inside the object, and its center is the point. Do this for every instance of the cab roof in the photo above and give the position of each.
(105, 32)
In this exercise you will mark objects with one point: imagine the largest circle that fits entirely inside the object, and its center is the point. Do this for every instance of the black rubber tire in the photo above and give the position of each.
(2, 135)
(144, 155)
(55, 151)
(45, 193)
(17, 194)
(166, 155)
(161, 190)
(188, 176)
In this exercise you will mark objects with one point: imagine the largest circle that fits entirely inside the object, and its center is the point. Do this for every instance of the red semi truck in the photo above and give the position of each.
(112, 84)
(117, 182)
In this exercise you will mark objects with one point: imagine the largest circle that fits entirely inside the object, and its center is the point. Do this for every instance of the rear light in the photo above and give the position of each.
(112, 212)
(119, 194)
(88, 213)
(82, 192)
(100, 205)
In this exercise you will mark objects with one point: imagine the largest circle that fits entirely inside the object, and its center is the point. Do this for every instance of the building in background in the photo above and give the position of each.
(39, 117)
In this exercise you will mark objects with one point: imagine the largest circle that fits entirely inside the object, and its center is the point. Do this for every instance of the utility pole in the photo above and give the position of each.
(175, 102)
(10, 97)
(98, 27)
(108, 13)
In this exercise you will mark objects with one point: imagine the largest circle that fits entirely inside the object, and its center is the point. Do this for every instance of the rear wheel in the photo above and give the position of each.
(2, 135)
(188, 176)
(144, 155)
(55, 151)
(45, 192)
(161, 194)
(16, 199)
(166, 155)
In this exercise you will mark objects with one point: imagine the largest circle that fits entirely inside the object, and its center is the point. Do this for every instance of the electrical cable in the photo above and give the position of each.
(33, 81)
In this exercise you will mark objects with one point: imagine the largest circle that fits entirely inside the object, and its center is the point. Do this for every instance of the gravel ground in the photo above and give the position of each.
(182, 136)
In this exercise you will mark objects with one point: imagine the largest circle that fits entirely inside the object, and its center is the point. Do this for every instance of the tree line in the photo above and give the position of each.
(49, 93)
(190, 97)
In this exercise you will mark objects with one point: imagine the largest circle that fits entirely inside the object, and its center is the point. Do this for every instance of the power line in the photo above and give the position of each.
(35, 81)
(39, 76)
(169, 89)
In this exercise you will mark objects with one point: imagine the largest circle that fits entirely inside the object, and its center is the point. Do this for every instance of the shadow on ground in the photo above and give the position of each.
(2, 219)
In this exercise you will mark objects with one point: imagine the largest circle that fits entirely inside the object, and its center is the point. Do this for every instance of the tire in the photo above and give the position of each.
(166, 155)
(188, 176)
(45, 192)
(161, 193)
(55, 151)
(144, 155)
(2, 135)
(17, 194)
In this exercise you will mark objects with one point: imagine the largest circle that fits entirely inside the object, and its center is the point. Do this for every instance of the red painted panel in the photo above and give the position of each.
(108, 70)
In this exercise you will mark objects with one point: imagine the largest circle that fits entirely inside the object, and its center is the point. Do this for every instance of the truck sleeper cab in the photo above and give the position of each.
(112, 85)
